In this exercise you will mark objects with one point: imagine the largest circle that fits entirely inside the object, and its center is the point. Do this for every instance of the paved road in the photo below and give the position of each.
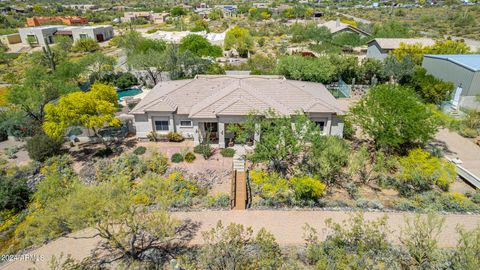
(463, 148)
(285, 225)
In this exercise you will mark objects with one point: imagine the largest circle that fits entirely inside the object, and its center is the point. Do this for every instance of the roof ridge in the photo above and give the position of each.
(257, 94)
(315, 100)
(212, 98)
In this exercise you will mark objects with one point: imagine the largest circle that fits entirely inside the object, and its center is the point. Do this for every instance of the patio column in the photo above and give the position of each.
(196, 140)
(171, 124)
(221, 134)
(256, 135)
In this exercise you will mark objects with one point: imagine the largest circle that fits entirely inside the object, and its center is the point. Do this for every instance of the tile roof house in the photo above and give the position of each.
(208, 103)
(379, 48)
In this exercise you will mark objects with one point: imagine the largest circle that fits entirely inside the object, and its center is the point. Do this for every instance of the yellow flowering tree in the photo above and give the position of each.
(94, 110)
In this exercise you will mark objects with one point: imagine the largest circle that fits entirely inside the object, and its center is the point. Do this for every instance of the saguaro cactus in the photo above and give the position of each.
(49, 55)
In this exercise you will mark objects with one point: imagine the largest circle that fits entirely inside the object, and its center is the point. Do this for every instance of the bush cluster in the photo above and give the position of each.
(203, 149)
(273, 190)
(227, 152)
(175, 137)
(140, 150)
(40, 147)
(190, 157)
(177, 158)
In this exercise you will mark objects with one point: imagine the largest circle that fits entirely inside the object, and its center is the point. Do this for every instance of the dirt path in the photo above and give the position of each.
(285, 225)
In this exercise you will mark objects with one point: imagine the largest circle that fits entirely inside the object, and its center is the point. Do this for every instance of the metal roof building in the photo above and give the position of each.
(463, 70)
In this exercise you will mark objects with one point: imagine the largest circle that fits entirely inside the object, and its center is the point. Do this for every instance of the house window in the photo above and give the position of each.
(161, 125)
(83, 36)
(321, 124)
(186, 123)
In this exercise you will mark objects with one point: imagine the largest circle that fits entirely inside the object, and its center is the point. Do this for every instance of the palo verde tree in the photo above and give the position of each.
(199, 46)
(239, 38)
(280, 142)
(39, 88)
(94, 109)
(394, 118)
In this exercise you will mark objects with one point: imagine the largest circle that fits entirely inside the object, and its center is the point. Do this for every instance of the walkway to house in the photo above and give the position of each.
(286, 226)
(457, 146)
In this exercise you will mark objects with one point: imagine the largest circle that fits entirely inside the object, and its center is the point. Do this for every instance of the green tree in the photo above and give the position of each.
(40, 147)
(86, 45)
(94, 109)
(280, 144)
(325, 157)
(430, 89)
(39, 88)
(391, 29)
(307, 69)
(239, 38)
(394, 118)
(319, 34)
(199, 46)
(178, 11)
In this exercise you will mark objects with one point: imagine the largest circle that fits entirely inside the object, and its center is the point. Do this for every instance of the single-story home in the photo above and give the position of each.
(337, 27)
(463, 70)
(379, 48)
(38, 35)
(207, 104)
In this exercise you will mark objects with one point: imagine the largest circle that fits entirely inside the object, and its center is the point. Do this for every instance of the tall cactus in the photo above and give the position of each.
(49, 56)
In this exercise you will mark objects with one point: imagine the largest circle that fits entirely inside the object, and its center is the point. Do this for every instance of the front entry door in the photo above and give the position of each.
(211, 131)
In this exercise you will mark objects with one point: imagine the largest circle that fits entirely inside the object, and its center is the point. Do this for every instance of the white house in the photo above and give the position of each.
(207, 104)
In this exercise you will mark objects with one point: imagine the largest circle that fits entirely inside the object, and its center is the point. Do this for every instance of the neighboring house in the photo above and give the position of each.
(207, 104)
(379, 48)
(463, 70)
(10, 39)
(260, 5)
(337, 27)
(66, 20)
(155, 18)
(36, 36)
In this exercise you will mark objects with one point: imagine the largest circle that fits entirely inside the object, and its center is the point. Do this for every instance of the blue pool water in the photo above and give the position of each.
(128, 92)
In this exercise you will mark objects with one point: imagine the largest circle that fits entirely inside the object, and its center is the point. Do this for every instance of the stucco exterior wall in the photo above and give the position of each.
(374, 51)
(144, 124)
(40, 33)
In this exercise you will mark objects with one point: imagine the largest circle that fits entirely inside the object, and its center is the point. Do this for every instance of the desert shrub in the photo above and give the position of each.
(221, 200)
(176, 190)
(14, 193)
(307, 188)
(354, 243)
(40, 147)
(140, 150)
(272, 189)
(468, 132)
(437, 201)
(125, 80)
(203, 149)
(227, 152)
(175, 137)
(177, 158)
(326, 157)
(420, 170)
(190, 157)
(369, 204)
(236, 247)
(85, 45)
(102, 153)
(157, 163)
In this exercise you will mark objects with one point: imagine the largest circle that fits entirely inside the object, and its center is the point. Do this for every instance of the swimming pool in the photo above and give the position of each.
(128, 92)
